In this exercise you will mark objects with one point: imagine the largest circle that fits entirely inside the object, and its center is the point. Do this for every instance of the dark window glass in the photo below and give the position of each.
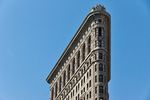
(87, 86)
(100, 89)
(95, 67)
(99, 20)
(83, 52)
(78, 96)
(68, 72)
(89, 44)
(56, 89)
(96, 90)
(100, 31)
(96, 78)
(90, 72)
(90, 83)
(100, 67)
(90, 94)
(100, 43)
(100, 56)
(60, 83)
(100, 78)
(64, 78)
(78, 59)
(73, 66)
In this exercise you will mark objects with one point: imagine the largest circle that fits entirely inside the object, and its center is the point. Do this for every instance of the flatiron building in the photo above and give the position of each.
(83, 70)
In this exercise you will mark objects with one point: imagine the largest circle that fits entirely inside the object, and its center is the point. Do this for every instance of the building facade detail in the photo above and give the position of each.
(83, 70)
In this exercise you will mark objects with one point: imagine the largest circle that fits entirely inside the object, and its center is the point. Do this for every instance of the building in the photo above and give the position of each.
(83, 70)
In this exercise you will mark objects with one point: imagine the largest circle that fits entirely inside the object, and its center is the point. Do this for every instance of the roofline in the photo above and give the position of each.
(72, 40)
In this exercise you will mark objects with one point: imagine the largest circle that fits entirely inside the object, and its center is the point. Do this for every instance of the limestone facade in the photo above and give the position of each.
(83, 70)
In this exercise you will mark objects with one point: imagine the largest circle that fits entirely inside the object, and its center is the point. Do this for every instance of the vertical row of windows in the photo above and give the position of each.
(100, 77)
(99, 67)
(100, 32)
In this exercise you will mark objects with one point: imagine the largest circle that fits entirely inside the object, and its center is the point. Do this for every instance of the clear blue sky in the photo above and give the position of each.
(34, 33)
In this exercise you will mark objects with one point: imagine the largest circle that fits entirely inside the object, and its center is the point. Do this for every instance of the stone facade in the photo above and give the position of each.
(83, 70)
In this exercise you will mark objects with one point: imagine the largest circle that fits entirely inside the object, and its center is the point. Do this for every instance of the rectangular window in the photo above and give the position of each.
(87, 96)
(96, 78)
(100, 56)
(90, 94)
(96, 90)
(90, 83)
(100, 31)
(78, 96)
(84, 89)
(76, 89)
(100, 78)
(100, 67)
(95, 67)
(78, 86)
(81, 82)
(87, 75)
(87, 86)
(99, 20)
(90, 72)
(100, 89)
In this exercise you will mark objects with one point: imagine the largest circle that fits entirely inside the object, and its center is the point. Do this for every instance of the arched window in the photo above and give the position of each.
(83, 52)
(60, 84)
(64, 78)
(69, 72)
(89, 44)
(73, 66)
(78, 59)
